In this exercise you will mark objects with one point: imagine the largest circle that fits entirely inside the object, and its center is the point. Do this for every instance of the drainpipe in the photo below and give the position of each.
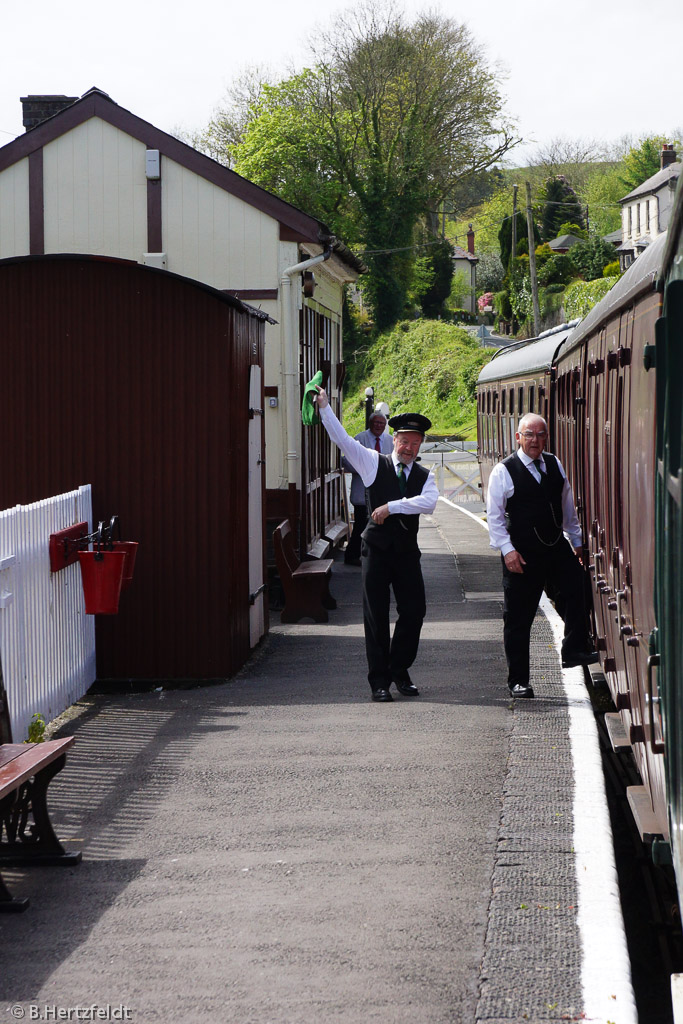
(291, 361)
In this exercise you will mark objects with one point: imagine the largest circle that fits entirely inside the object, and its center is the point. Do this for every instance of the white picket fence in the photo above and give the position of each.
(47, 642)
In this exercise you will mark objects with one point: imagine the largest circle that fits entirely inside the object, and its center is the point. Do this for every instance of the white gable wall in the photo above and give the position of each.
(213, 236)
(95, 192)
(14, 222)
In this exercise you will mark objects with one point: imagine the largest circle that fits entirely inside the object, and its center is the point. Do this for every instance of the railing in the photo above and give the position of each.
(47, 643)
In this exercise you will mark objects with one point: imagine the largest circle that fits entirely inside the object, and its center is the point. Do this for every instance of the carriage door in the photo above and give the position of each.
(596, 490)
(257, 614)
(616, 450)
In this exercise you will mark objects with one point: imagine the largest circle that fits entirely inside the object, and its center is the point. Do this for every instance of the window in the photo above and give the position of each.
(532, 397)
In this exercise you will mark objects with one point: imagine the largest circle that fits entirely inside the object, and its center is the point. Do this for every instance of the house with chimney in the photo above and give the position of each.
(646, 210)
(174, 311)
(465, 264)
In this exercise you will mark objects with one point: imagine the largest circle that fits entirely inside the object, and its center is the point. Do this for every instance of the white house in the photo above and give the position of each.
(90, 177)
(646, 210)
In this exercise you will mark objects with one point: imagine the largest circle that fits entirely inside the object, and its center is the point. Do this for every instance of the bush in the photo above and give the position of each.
(581, 296)
(590, 258)
(572, 229)
(556, 270)
(424, 365)
(612, 269)
(501, 301)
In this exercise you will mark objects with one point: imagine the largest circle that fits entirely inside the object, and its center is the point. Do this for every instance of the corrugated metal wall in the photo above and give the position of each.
(137, 382)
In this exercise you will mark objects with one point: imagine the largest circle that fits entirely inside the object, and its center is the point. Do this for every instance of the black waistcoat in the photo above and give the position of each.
(398, 531)
(534, 512)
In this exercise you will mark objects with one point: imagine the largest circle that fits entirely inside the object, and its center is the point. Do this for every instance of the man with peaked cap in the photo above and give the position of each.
(374, 437)
(398, 489)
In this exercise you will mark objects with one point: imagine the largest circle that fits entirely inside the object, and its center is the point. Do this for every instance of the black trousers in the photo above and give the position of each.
(360, 521)
(558, 571)
(391, 656)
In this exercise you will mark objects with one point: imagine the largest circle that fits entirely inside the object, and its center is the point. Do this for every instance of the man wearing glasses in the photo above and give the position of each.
(532, 520)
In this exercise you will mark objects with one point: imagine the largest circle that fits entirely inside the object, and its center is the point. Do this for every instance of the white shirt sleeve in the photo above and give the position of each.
(364, 460)
(424, 502)
(500, 488)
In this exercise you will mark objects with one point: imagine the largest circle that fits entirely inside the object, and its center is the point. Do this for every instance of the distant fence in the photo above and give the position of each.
(47, 643)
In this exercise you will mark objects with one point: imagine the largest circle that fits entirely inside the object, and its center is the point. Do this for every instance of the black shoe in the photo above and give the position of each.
(406, 686)
(580, 658)
(381, 695)
(521, 690)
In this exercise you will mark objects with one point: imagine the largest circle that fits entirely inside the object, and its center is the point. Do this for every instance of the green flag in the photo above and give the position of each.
(309, 414)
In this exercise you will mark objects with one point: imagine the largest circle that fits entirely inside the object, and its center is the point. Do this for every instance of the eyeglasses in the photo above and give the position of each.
(529, 434)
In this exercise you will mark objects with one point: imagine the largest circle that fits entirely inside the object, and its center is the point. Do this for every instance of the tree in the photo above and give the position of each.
(590, 258)
(641, 162)
(561, 204)
(440, 257)
(412, 110)
(378, 134)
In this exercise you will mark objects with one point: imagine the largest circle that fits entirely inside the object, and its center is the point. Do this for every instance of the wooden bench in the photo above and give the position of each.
(306, 584)
(26, 833)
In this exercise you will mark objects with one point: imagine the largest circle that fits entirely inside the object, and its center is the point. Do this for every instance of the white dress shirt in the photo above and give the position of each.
(366, 460)
(501, 488)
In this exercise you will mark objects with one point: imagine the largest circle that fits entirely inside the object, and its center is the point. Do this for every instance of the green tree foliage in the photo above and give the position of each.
(424, 365)
(505, 237)
(379, 132)
(590, 258)
(569, 228)
(440, 259)
(561, 204)
(641, 162)
(287, 148)
(490, 272)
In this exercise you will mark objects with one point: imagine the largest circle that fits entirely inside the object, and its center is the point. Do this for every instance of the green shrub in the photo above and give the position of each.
(426, 366)
(581, 296)
(501, 302)
(612, 269)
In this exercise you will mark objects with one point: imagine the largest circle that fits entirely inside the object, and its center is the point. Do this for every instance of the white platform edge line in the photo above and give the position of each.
(605, 965)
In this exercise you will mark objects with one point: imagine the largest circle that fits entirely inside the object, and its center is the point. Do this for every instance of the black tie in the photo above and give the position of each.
(538, 463)
(402, 483)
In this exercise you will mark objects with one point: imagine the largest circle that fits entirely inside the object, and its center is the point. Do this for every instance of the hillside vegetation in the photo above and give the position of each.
(425, 366)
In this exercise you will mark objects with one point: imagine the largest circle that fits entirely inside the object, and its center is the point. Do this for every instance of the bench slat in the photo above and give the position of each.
(313, 568)
(28, 758)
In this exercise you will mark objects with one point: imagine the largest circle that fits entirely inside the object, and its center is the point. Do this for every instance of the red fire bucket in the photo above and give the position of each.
(102, 574)
(130, 550)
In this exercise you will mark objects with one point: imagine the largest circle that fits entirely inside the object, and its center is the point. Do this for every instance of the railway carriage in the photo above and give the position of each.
(596, 384)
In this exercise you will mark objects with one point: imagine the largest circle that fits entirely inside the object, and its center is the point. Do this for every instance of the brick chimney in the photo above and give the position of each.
(470, 241)
(668, 155)
(39, 108)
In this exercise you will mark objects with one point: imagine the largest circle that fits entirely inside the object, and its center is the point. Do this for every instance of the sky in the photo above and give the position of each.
(588, 70)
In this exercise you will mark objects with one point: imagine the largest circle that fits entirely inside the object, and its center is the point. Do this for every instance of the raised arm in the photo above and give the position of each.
(364, 460)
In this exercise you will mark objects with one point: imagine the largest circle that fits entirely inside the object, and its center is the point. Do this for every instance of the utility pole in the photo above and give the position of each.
(532, 262)
(514, 220)
(513, 326)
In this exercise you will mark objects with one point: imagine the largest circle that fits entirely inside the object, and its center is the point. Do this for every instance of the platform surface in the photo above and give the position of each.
(280, 850)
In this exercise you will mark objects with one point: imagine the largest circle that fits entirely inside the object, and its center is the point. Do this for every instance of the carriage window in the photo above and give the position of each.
(502, 401)
(520, 400)
(488, 401)
(532, 397)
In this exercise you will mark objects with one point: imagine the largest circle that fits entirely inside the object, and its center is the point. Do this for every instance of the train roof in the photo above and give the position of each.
(527, 356)
(640, 277)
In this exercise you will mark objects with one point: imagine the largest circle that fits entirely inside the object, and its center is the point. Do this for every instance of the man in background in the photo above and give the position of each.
(375, 437)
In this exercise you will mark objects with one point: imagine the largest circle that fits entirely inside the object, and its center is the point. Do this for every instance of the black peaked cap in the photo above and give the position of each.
(410, 421)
